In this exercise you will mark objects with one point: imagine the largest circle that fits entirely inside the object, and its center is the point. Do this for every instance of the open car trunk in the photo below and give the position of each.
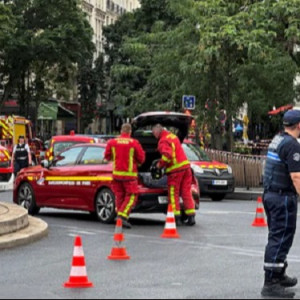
(142, 125)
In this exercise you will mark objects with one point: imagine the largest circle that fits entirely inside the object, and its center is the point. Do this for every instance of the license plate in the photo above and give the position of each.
(163, 200)
(3, 187)
(220, 182)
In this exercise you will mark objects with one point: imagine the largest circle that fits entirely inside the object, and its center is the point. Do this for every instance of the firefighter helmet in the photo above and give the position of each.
(156, 173)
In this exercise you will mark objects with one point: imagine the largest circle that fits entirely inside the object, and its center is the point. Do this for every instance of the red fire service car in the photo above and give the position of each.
(62, 142)
(79, 179)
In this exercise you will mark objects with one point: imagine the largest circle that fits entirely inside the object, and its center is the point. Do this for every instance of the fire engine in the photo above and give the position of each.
(11, 127)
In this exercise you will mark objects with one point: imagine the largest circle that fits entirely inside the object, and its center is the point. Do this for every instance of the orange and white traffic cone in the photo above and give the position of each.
(259, 220)
(118, 252)
(170, 231)
(78, 277)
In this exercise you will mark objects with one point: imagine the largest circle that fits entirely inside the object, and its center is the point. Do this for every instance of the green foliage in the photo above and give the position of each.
(91, 81)
(50, 37)
(231, 52)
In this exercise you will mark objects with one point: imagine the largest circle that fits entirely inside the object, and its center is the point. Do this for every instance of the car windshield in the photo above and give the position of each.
(195, 153)
(61, 146)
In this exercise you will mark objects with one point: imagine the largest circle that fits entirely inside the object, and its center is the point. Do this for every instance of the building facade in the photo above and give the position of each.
(101, 13)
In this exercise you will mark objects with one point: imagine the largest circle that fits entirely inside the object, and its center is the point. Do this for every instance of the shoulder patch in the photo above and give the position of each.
(296, 157)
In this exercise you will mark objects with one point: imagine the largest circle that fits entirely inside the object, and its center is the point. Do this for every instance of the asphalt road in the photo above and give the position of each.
(222, 257)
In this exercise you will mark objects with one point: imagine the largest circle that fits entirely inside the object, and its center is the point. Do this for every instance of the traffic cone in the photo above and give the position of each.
(118, 252)
(78, 277)
(259, 220)
(170, 231)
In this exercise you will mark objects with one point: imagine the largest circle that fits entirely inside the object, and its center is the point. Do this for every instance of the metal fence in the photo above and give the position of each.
(247, 169)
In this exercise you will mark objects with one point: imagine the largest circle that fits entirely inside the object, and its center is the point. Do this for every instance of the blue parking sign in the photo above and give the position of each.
(189, 102)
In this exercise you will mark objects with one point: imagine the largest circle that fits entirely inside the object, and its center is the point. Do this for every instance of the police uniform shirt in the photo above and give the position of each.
(26, 148)
(290, 154)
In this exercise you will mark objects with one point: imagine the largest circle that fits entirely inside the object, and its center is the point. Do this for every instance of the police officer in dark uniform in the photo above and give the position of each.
(21, 156)
(282, 187)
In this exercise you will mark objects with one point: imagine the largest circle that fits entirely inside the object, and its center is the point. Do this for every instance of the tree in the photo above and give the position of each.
(50, 34)
(227, 53)
(7, 24)
(91, 81)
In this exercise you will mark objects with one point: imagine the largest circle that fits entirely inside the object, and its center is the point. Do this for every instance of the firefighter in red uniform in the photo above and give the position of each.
(127, 154)
(179, 173)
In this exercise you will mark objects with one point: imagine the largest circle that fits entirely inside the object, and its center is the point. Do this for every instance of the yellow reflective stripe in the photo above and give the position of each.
(78, 178)
(190, 211)
(178, 166)
(30, 178)
(123, 215)
(113, 150)
(129, 174)
(174, 154)
(7, 154)
(3, 124)
(131, 157)
(164, 158)
(173, 200)
(130, 204)
(171, 136)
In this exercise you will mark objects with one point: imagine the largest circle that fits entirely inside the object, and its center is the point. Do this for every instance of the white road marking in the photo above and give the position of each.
(84, 232)
(193, 244)
(72, 235)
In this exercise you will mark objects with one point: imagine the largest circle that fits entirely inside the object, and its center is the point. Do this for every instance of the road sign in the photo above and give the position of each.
(189, 102)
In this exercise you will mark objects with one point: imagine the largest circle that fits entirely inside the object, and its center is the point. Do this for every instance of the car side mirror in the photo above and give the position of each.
(45, 164)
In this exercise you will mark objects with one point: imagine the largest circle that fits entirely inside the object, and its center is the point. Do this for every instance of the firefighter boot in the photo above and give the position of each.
(191, 221)
(126, 223)
(178, 221)
(287, 281)
(273, 288)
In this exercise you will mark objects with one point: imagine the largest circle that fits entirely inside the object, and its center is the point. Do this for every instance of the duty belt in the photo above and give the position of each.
(282, 192)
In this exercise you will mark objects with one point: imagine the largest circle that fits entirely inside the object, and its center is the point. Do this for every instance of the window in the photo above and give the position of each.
(61, 146)
(68, 158)
(93, 156)
(195, 153)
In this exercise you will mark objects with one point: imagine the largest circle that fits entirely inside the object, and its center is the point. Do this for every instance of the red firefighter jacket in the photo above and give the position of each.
(127, 154)
(173, 158)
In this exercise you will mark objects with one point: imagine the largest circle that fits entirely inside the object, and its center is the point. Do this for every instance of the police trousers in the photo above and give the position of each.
(281, 211)
(19, 165)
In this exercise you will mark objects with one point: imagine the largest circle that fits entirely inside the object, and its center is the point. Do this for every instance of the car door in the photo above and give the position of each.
(58, 180)
(92, 174)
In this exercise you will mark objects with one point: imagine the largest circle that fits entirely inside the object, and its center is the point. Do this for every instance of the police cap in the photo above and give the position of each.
(291, 117)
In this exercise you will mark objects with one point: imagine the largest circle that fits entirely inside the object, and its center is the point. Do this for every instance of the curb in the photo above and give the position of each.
(12, 218)
(245, 195)
(36, 230)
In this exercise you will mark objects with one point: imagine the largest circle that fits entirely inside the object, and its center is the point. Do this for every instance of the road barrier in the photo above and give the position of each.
(247, 169)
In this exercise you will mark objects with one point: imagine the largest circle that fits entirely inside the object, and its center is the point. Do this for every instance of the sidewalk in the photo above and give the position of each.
(17, 228)
(244, 194)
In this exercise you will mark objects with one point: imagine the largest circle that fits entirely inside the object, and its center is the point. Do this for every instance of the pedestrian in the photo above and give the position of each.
(127, 154)
(179, 172)
(256, 146)
(21, 157)
(282, 187)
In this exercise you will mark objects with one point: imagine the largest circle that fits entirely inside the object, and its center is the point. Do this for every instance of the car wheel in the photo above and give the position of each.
(105, 206)
(218, 197)
(26, 199)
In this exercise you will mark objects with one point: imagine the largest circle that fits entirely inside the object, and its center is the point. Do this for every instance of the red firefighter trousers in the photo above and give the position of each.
(126, 193)
(180, 185)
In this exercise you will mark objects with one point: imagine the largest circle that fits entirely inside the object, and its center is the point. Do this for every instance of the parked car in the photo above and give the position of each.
(59, 143)
(78, 178)
(215, 179)
(99, 138)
